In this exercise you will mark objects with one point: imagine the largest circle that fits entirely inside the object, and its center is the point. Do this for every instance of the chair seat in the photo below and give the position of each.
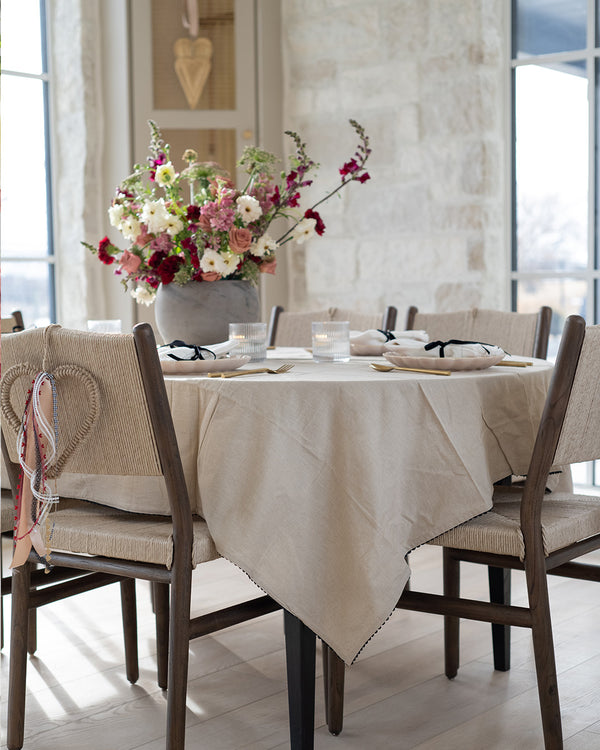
(566, 519)
(90, 529)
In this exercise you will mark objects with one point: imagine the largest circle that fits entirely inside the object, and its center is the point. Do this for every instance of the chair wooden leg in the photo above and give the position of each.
(499, 583)
(160, 600)
(32, 631)
(451, 624)
(300, 651)
(179, 643)
(334, 672)
(129, 615)
(545, 665)
(17, 675)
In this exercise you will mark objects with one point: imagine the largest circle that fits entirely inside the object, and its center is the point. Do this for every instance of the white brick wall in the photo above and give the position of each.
(427, 80)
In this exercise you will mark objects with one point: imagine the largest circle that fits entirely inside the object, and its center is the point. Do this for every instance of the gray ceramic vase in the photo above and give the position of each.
(199, 313)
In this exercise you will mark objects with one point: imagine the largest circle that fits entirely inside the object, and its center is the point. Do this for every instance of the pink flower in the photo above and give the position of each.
(364, 177)
(129, 262)
(210, 276)
(239, 240)
(349, 167)
(269, 266)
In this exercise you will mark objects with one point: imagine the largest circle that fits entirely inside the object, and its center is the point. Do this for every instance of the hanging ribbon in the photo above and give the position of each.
(37, 449)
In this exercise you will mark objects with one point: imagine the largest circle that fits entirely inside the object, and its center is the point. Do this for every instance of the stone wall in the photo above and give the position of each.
(427, 79)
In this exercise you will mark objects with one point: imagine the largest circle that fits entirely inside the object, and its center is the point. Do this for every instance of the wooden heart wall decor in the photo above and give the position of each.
(193, 60)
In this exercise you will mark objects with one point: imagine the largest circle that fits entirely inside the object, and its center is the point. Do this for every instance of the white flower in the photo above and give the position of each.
(155, 216)
(130, 228)
(213, 261)
(248, 208)
(266, 245)
(115, 215)
(174, 225)
(304, 230)
(165, 174)
(143, 295)
(230, 261)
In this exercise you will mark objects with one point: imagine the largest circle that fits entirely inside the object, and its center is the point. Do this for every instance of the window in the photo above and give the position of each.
(27, 250)
(555, 259)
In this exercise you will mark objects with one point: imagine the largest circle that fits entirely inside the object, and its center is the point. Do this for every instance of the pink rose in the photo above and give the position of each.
(129, 262)
(204, 223)
(210, 276)
(269, 266)
(239, 240)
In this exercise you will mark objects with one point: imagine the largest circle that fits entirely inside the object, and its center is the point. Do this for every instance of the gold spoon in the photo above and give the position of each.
(388, 368)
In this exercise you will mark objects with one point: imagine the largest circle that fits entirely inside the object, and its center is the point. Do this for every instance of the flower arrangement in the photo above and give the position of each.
(217, 231)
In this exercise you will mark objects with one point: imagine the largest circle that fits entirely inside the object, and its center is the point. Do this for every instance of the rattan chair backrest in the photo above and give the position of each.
(103, 419)
(295, 328)
(521, 334)
(580, 436)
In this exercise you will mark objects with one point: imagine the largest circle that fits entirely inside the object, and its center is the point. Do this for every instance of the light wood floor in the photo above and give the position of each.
(396, 693)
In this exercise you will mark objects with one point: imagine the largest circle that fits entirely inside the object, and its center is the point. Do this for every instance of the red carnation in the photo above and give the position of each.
(320, 225)
(193, 213)
(156, 258)
(168, 268)
(103, 255)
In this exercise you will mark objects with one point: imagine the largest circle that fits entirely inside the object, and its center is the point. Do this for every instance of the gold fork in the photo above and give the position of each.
(234, 373)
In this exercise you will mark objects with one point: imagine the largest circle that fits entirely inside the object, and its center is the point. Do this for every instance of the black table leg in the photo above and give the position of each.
(300, 657)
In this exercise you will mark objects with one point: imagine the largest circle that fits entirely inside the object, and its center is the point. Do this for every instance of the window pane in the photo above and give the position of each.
(23, 171)
(27, 287)
(551, 154)
(565, 296)
(21, 36)
(541, 27)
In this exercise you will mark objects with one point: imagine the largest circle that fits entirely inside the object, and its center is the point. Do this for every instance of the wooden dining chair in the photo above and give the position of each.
(521, 334)
(294, 328)
(113, 418)
(530, 529)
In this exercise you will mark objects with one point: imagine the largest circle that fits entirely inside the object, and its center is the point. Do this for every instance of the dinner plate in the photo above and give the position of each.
(193, 366)
(444, 363)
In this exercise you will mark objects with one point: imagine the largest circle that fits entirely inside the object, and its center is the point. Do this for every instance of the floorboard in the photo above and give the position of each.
(396, 693)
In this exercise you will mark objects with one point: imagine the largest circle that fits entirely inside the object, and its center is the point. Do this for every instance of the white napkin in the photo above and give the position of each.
(454, 351)
(189, 352)
(373, 342)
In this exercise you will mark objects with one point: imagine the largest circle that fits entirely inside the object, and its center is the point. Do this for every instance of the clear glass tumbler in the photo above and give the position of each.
(331, 341)
(252, 339)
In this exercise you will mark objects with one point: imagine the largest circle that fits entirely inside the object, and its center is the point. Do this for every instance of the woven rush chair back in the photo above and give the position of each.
(295, 328)
(580, 435)
(521, 334)
(12, 324)
(103, 417)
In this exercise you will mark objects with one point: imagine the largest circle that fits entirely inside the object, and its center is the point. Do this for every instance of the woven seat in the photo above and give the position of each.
(566, 520)
(113, 418)
(98, 530)
(295, 328)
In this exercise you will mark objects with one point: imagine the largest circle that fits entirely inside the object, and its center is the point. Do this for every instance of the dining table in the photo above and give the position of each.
(319, 481)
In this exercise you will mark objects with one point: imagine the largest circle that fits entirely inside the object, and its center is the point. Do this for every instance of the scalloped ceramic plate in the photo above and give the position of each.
(444, 363)
(196, 366)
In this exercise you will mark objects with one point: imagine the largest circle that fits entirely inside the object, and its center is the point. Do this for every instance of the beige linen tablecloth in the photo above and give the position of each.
(317, 483)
